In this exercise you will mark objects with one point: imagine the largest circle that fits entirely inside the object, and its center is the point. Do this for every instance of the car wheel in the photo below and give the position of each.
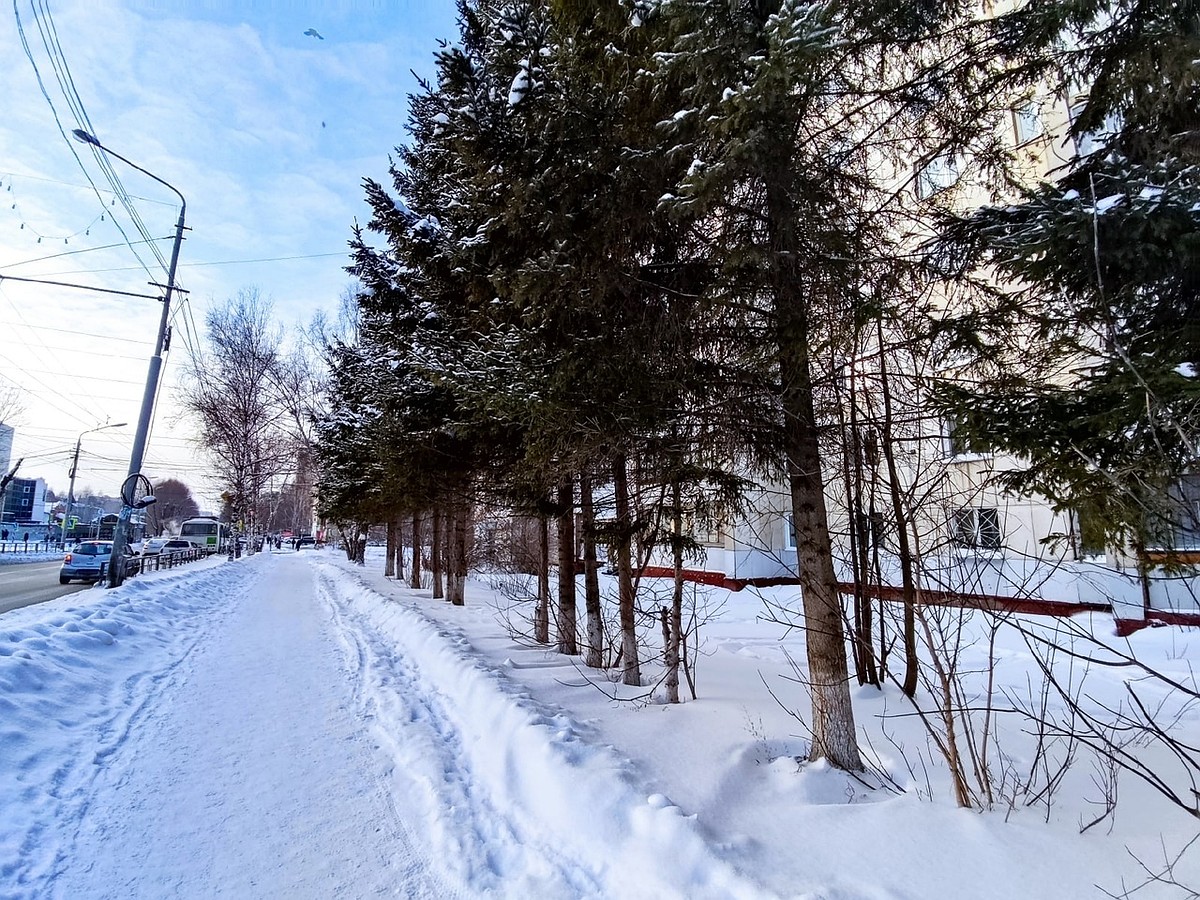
(63, 579)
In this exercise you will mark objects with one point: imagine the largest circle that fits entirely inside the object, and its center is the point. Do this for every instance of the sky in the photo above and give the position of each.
(321, 730)
(265, 130)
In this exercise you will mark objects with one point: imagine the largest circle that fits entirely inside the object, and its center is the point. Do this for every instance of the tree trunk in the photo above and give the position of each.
(626, 598)
(389, 562)
(541, 613)
(907, 579)
(436, 553)
(415, 581)
(399, 550)
(673, 624)
(833, 729)
(861, 540)
(591, 576)
(567, 638)
(456, 556)
(851, 482)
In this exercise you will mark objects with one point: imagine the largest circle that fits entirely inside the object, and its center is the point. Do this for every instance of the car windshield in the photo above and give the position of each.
(93, 549)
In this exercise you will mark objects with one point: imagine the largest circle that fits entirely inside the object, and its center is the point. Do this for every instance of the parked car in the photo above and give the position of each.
(177, 545)
(153, 546)
(305, 540)
(88, 561)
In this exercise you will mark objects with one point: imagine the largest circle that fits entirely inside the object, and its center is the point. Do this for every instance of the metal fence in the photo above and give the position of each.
(136, 565)
(27, 546)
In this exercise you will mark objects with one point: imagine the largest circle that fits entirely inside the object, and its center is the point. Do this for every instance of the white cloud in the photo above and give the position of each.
(267, 134)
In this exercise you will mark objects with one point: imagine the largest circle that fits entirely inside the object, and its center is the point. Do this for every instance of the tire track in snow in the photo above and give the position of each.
(526, 776)
(483, 851)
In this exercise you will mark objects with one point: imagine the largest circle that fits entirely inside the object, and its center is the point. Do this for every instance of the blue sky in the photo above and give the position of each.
(265, 130)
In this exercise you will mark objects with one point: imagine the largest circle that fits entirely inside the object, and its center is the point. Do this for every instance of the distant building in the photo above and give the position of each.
(6, 442)
(25, 501)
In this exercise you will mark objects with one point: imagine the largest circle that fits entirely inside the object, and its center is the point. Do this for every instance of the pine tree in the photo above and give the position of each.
(1101, 272)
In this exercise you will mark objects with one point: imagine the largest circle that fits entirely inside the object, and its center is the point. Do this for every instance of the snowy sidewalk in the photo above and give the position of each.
(272, 728)
(249, 776)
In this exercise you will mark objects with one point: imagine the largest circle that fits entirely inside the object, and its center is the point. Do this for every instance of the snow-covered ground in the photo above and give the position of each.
(12, 554)
(290, 725)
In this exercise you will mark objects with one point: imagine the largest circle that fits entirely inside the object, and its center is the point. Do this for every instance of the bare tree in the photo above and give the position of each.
(174, 504)
(232, 390)
(11, 404)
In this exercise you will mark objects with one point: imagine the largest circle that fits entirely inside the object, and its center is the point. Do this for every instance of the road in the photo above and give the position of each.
(24, 584)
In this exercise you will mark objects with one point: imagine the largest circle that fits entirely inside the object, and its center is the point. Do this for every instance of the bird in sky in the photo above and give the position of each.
(312, 32)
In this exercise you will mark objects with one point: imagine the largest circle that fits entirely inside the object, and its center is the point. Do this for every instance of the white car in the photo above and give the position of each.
(153, 546)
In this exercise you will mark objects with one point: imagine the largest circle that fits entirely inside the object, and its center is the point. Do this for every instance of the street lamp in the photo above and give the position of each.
(71, 489)
(116, 569)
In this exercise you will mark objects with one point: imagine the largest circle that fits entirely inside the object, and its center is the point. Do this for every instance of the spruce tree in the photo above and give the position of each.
(1100, 266)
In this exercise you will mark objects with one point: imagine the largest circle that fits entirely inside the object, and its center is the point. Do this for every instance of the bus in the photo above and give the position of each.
(206, 533)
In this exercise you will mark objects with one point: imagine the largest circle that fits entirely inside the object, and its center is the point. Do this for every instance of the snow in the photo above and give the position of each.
(293, 725)
(1104, 204)
(1187, 370)
(520, 84)
(16, 553)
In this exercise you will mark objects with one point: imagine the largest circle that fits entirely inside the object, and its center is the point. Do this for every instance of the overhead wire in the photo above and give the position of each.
(66, 81)
(105, 337)
(58, 122)
(17, 368)
(37, 259)
(58, 61)
(199, 265)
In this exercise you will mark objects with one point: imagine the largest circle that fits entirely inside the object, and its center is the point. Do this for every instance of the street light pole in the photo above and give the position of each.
(116, 570)
(71, 488)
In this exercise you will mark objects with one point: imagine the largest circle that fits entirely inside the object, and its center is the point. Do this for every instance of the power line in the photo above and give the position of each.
(27, 177)
(104, 337)
(104, 353)
(58, 122)
(48, 363)
(194, 265)
(66, 82)
(74, 375)
(26, 262)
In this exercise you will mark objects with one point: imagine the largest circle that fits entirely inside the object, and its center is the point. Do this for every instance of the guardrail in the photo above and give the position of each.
(28, 546)
(156, 561)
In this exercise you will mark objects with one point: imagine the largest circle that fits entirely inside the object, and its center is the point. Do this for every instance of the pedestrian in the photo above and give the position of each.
(27, 537)
(4, 535)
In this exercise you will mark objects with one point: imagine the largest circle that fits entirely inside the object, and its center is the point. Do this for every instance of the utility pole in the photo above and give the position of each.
(116, 570)
(74, 469)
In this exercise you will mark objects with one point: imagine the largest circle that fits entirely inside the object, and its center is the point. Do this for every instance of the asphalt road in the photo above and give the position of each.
(24, 584)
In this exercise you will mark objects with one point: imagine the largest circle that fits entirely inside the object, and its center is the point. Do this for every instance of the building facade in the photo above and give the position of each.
(25, 502)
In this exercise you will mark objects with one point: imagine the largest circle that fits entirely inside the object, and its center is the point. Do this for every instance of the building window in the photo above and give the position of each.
(1027, 123)
(960, 442)
(977, 528)
(1181, 528)
(870, 529)
(789, 532)
(703, 529)
(1090, 532)
(936, 175)
(1092, 141)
